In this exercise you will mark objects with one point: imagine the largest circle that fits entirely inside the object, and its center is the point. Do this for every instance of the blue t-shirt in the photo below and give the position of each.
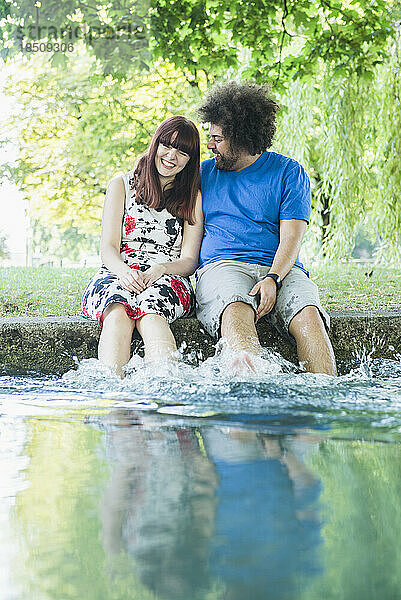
(243, 209)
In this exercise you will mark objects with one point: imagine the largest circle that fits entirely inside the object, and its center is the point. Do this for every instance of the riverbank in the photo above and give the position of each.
(52, 345)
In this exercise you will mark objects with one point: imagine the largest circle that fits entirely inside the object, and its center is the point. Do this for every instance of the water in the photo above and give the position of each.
(183, 482)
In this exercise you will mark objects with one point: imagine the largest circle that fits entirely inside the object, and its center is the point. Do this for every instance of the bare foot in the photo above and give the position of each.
(243, 364)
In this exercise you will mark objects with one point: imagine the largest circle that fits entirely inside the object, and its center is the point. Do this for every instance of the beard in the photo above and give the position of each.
(226, 162)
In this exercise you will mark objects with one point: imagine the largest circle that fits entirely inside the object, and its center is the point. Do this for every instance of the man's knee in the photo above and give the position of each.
(238, 319)
(236, 310)
(306, 320)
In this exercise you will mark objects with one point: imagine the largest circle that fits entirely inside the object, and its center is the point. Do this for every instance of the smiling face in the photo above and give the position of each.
(169, 161)
(224, 157)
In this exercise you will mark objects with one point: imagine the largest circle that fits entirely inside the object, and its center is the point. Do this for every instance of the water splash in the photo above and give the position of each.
(369, 392)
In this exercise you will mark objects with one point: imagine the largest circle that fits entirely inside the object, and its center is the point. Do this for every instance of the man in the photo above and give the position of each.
(256, 205)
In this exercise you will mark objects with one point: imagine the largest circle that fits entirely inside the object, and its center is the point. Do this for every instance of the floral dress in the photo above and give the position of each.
(149, 236)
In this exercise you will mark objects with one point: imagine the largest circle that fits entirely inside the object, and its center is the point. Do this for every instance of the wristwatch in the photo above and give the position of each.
(276, 279)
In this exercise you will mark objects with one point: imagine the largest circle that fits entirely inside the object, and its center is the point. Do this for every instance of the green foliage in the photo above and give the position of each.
(283, 40)
(386, 138)
(115, 33)
(78, 129)
(345, 130)
(57, 242)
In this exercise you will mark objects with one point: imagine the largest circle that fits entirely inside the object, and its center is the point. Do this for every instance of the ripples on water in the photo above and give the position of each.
(369, 392)
(183, 482)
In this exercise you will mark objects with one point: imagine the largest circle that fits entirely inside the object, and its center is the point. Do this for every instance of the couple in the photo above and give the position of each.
(247, 219)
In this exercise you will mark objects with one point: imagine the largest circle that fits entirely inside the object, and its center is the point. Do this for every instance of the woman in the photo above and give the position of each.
(152, 227)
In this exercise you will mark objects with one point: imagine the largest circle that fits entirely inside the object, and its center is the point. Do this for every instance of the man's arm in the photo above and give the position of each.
(291, 234)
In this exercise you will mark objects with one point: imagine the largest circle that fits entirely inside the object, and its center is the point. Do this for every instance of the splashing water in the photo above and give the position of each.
(246, 464)
(368, 394)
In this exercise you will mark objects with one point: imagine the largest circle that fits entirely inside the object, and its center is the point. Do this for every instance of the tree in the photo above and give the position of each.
(4, 252)
(79, 128)
(282, 38)
(345, 130)
(57, 242)
(115, 33)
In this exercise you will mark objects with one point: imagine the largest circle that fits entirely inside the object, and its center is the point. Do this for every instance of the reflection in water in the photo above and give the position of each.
(140, 506)
(135, 510)
(362, 513)
(194, 507)
(267, 527)
(159, 507)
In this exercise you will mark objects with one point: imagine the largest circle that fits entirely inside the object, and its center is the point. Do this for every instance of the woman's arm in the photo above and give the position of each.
(189, 257)
(113, 212)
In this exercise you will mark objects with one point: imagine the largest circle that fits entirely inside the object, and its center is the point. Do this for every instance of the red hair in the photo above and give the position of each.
(180, 197)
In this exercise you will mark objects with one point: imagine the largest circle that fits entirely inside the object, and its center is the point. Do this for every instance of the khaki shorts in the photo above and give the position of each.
(225, 281)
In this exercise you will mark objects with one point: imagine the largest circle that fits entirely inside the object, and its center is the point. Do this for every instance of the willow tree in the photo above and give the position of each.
(334, 65)
(346, 132)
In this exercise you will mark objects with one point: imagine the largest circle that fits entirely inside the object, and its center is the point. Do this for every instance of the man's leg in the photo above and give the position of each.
(114, 348)
(225, 308)
(313, 344)
(238, 328)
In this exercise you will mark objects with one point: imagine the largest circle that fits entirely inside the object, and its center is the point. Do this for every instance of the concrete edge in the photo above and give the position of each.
(51, 345)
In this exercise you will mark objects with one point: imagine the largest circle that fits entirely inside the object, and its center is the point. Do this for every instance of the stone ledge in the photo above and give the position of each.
(49, 344)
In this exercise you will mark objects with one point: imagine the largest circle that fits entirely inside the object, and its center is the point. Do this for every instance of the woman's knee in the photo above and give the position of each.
(116, 316)
(151, 323)
(156, 334)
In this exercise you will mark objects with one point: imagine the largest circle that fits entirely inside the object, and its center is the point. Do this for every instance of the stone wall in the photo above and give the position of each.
(48, 345)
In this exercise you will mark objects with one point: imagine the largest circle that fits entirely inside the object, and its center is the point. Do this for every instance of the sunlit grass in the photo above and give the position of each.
(355, 286)
(50, 291)
(42, 291)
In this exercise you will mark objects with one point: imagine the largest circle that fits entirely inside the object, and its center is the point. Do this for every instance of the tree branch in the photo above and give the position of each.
(283, 34)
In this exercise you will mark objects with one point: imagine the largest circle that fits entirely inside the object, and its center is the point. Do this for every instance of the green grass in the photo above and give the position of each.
(354, 286)
(45, 291)
(42, 291)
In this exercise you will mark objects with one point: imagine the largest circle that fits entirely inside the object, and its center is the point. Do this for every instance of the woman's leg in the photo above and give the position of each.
(157, 337)
(114, 348)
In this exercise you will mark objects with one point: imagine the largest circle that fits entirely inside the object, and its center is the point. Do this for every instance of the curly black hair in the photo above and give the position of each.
(245, 113)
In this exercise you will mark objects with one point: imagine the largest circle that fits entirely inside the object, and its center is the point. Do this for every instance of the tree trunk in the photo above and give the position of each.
(325, 214)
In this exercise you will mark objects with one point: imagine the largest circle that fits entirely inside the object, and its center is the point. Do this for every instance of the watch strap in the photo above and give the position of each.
(276, 279)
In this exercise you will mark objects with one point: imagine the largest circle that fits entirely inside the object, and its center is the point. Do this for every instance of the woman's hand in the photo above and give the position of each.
(131, 279)
(153, 274)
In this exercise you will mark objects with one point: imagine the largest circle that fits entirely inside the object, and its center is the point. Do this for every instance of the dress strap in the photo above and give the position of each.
(125, 179)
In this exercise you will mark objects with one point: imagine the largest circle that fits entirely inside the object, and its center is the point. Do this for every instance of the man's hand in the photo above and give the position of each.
(268, 292)
(131, 279)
